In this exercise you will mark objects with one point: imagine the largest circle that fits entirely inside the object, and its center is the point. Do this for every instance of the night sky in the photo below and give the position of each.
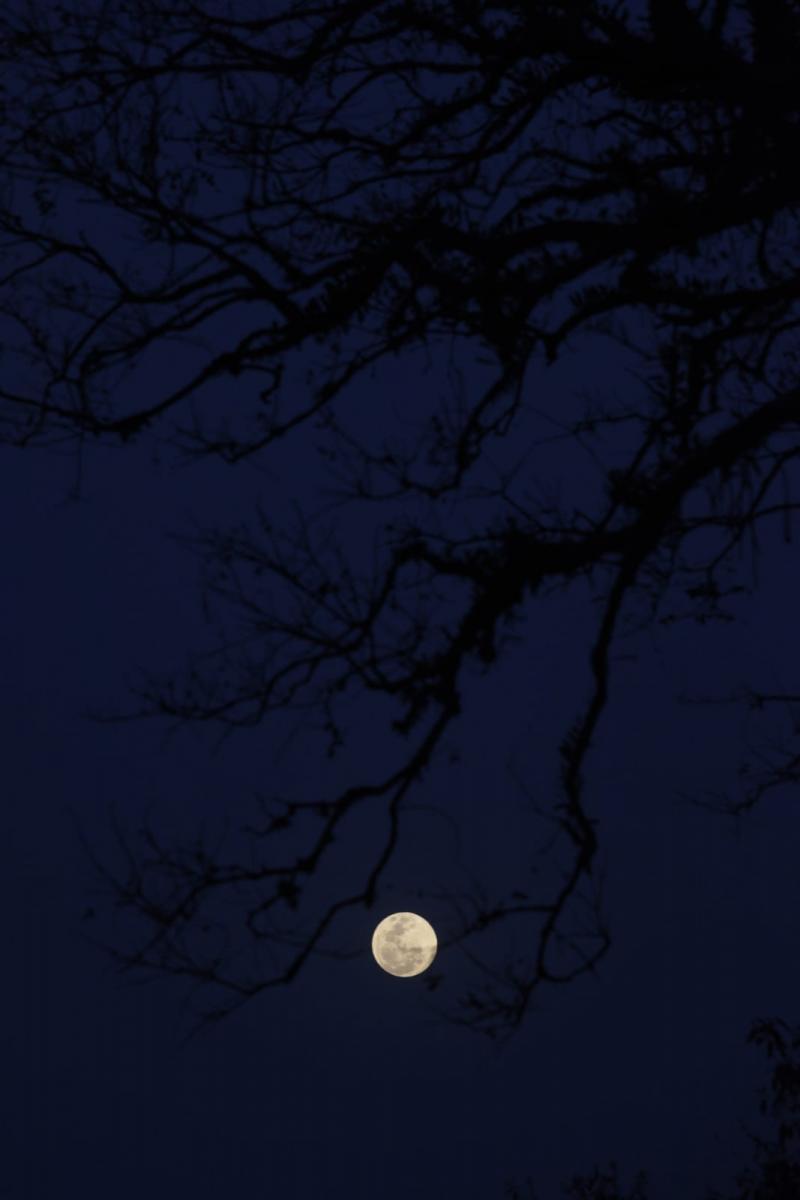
(347, 1083)
(350, 1083)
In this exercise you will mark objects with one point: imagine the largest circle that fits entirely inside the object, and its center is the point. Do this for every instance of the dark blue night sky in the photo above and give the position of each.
(346, 1083)
(350, 1083)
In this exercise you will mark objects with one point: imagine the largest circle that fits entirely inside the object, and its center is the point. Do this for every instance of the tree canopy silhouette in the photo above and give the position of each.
(297, 198)
(773, 1174)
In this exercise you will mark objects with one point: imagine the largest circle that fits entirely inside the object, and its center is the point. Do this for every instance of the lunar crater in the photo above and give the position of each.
(404, 944)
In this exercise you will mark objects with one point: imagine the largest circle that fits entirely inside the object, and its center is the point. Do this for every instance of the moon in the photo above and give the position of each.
(404, 944)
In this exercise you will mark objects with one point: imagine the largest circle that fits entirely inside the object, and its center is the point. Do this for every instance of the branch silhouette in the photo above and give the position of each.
(345, 184)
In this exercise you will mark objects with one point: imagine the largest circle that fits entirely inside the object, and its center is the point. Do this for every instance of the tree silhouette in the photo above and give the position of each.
(774, 1173)
(602, 1184)
(495, 187)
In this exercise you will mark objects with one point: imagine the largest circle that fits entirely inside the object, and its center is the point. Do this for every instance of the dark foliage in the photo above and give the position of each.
(775, 1170)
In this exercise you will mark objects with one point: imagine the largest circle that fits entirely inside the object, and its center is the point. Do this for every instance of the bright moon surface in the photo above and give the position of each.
(404, 944)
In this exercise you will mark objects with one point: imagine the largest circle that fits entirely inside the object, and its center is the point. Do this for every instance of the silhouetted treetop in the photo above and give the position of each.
(352, 180)
(773, 1173)
(215, 225)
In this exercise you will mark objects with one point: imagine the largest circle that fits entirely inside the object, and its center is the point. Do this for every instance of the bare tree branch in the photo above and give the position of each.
(492, 188)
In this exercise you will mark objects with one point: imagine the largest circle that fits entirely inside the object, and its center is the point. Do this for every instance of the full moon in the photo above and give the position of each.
(404, 944)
